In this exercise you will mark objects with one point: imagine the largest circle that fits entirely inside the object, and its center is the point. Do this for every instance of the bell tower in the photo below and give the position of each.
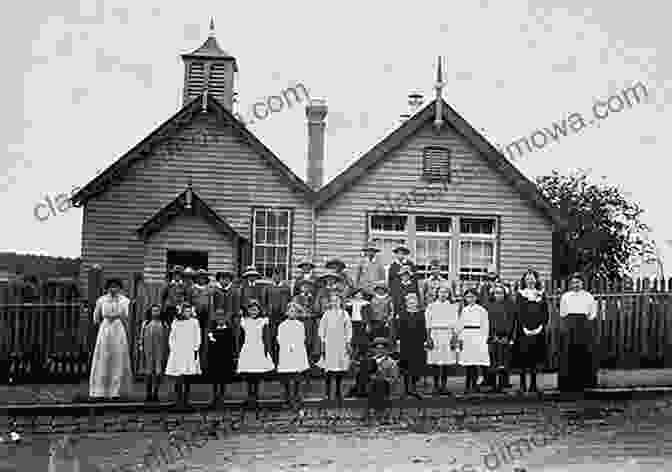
(210, 69)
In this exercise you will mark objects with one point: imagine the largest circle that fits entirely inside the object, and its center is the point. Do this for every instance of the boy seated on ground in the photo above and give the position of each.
(382, 371)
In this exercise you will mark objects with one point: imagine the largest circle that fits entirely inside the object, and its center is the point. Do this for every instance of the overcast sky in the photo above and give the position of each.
(85, 82)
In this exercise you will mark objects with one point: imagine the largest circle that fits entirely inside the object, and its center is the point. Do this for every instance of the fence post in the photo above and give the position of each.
(95, 287)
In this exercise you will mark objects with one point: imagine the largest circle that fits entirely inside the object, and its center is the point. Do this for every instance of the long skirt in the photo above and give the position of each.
(379, 329)
(203, 316)
(222, 356)
(530, 351)
(111, 374)
(441, 354)
(578, 360)
(475, 348)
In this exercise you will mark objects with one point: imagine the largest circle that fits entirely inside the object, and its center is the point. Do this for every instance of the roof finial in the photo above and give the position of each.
(212, 27)
(438, 120)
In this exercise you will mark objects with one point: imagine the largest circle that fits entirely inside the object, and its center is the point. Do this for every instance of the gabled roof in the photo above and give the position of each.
(170, 128)
(186, 203)
(494, 158)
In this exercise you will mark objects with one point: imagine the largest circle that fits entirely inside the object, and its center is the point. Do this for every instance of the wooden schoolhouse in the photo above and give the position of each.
(228, 201)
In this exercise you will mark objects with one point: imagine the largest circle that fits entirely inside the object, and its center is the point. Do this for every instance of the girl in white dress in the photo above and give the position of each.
(184, 343)
(335, 332)
(473, 327)
(442, 321)
(255, 356)
(293, 357)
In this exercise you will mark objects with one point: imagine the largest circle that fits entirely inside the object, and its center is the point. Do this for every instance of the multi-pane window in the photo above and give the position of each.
(436, 163)
(271, 240)
(432, 242)
(477, 248)
(466, 247)
(388, 232)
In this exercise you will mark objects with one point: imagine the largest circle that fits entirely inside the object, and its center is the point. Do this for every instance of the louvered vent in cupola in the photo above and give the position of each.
(218, 80)
(196, 80)
(436, 164)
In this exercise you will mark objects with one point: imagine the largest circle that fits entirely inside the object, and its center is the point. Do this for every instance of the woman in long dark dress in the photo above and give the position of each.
(412, 336)
(531, 321)
(578, 364)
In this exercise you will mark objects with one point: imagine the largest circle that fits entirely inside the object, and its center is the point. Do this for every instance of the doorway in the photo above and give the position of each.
(194, 259)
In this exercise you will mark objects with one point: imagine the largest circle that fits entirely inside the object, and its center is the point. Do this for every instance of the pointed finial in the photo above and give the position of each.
(438, 120)
(212, 27)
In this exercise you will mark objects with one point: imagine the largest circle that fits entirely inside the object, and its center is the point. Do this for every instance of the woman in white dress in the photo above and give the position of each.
(255, 356)
(442, 321)
(184, 342)
(293, 357)
(111, 375)
(473, 328)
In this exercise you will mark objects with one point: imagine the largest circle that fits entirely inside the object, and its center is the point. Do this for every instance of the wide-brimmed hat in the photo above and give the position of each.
(358, 290)
(370, 247)
(435, 264)
(331, 273)
(251, 271)
(178, 269)
(113, 281)
(402, 248)
(189, 272)
(335, 263)
(380, 284)
(380, 342)
(306, 262)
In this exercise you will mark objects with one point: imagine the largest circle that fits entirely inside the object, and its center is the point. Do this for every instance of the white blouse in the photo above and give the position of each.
(578, 302)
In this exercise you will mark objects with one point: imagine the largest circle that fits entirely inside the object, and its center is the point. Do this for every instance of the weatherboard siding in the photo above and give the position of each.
(525, 234)
(225, 172)
(189, 233)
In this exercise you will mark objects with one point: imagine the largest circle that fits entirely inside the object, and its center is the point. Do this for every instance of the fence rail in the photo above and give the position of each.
(634, 328)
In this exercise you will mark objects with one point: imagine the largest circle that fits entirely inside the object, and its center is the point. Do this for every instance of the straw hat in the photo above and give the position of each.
(251, 271)
(189, 272)
(406, 269)
(306, 262)
(402, 248)
(370, 247)
(335, 264)
(331, 274)
(380, 284)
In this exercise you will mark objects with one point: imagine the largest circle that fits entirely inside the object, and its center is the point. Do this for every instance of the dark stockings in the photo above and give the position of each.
(410, 383)
(441, 378)
(338, 378)
(533, 381)
(153, 383)
(253, 388)
(471, 378)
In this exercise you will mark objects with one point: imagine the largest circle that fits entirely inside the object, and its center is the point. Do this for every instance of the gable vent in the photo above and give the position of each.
(436, 163)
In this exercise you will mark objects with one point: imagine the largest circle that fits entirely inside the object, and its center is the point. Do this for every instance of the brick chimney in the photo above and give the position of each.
(316, 111)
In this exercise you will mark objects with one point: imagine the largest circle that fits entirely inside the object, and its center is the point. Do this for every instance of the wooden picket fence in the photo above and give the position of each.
(634, 319)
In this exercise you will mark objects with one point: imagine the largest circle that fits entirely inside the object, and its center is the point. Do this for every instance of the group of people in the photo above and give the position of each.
(379, 323)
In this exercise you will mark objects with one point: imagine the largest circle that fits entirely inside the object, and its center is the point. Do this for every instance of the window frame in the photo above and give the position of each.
(253, 237)
(477, 237)
(454, 238)
(448, 237)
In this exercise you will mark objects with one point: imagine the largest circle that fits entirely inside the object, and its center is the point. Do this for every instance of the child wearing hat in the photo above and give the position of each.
(293, 358)
(359, 310)
(370, 269)
(305, 304)
(381, 313)
(252, 288)
(381, 371)
(335, 332)
(255, 356)
(344, 279)
(431, 285)
(306, 274)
